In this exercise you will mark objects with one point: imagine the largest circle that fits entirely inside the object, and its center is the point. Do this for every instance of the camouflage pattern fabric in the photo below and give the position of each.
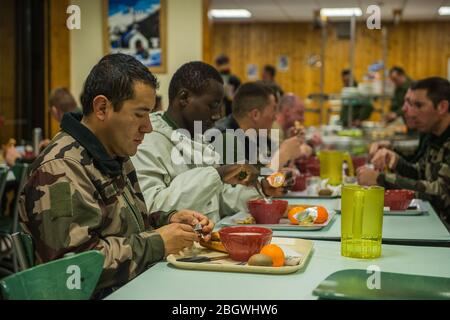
(430, 176)
(68, 205)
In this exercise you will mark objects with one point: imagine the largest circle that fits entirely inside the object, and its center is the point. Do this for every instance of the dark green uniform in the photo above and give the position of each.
(399, 97)
(361, 109)
(429, 176)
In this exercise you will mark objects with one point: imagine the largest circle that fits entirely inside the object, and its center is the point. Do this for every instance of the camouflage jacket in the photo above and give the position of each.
(430, 176)
(77, 198)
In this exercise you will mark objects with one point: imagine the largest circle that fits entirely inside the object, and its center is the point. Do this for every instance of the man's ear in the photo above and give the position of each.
(183, 97)
(442, 107)
(101, 107)
(254, 114)
(54, 112)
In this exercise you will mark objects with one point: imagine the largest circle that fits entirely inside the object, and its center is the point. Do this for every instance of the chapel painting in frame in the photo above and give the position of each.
(137, 28)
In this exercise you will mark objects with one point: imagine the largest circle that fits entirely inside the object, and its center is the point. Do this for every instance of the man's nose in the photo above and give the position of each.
(147, 127)
(405, 107)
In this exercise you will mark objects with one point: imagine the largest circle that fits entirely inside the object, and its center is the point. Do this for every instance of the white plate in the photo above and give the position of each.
(411, 212)
(284, 225)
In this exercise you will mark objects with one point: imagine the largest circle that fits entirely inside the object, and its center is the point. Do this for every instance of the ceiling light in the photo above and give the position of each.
(444, 11)
(230, 13)
(340, 12)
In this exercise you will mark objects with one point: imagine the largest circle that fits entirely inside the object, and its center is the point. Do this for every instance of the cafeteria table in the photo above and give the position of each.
(425, 229)
(163, 281)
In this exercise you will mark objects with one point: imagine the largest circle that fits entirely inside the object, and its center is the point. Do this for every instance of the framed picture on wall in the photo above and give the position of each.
(137, 28)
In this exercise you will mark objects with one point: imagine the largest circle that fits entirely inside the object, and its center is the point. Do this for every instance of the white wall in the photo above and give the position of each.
(184, 40)
(184, 37)
(86, 44)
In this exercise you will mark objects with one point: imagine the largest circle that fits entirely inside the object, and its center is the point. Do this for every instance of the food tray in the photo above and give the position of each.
(301, 247)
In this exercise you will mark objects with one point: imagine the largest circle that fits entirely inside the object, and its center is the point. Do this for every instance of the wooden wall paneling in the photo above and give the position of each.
(419, 47)
(7, 71)
(59, 50)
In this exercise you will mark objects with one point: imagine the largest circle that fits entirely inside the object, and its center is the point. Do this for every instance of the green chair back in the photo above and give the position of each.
(73, 277)
(28, 247)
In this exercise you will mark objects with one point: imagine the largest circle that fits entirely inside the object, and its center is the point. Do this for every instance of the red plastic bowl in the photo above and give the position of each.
(359, 161)
(313, 166)
(267, 213)
(300, 182)
(310, 165)
(398, 199)
(244, 241)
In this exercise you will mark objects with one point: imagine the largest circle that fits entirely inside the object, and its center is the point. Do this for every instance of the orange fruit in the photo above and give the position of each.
(322, 215)
(275, 252)
(292, 212)
(276, 179)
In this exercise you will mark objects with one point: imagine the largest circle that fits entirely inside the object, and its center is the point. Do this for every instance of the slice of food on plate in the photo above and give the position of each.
(214, 244)
(306, 216)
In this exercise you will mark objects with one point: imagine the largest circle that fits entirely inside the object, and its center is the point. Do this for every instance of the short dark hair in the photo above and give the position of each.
(438, 89)
(193, 76)
(114, 76)
(397, 69)
(222, 59)
(270, 70)
(62, 99)
(345, 72)
(251, 95)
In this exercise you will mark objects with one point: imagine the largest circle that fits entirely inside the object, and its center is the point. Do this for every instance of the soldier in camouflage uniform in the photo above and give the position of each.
(430, 176)
(402, 82)
(83, 194)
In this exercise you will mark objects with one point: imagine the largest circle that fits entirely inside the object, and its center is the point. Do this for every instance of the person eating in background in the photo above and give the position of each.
(60, 102)
(176, 165)
(402, 82)
(254, 107)
(428, 107)
(291, 113)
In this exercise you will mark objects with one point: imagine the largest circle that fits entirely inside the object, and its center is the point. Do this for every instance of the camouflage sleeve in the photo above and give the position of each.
(160, 218)
(407, 169)
(62, 210)
(437, 191)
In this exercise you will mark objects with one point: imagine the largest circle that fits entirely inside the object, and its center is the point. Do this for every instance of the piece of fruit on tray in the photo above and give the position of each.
(214, 243)
(306, 216)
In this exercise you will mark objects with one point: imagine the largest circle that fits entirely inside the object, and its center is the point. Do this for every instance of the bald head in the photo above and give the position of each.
(292, 109)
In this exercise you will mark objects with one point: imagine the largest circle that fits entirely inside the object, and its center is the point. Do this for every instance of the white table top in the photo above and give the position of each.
(164, 281)
(425, 227)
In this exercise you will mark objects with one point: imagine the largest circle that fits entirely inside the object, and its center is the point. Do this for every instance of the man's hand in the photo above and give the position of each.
(11, 155)
(367, 176)
(391, 116)
(177, 236)
(244, 174)
(191, 218)
(296, 132)
(385, 158)
(43, 144)
(290, 176)
(290, 149)
(374, 147)
(306, 150)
